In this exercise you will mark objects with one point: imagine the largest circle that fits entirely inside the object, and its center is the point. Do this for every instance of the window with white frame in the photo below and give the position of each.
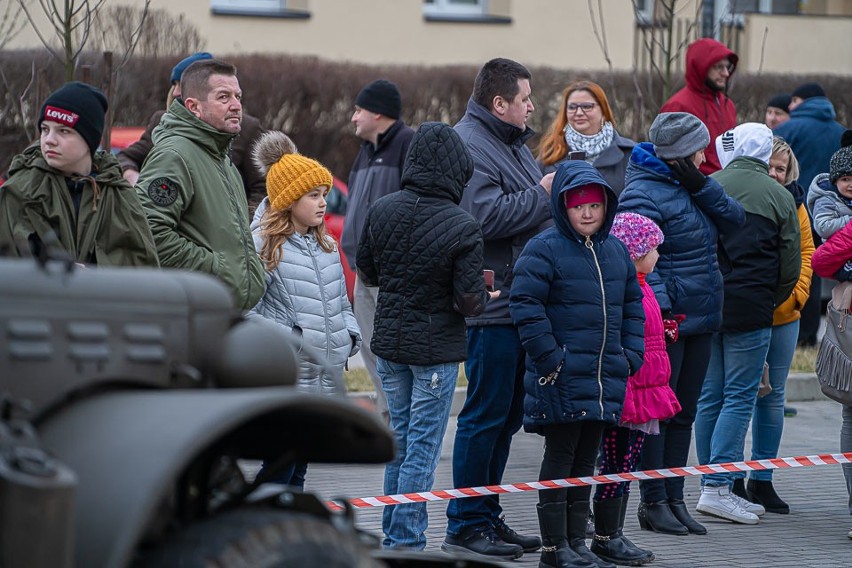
(727, 10)
(256, 6)
(454, 7)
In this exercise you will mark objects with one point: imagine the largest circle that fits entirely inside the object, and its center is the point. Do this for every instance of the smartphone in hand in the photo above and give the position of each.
(577, 155)
(489, 280)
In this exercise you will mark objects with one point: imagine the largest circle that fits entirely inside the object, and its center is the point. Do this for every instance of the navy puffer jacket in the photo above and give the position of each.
(576, 300)
(687, 279)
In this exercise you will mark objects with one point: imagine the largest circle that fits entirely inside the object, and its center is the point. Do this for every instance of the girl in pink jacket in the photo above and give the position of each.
(648, 399)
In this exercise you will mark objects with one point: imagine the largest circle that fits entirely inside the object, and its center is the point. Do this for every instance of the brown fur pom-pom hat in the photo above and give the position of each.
(289, 175)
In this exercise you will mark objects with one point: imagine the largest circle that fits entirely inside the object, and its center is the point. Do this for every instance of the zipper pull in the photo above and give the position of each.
(589, 244)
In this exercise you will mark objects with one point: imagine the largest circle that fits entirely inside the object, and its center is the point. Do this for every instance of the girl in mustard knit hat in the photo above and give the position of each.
(305, 288)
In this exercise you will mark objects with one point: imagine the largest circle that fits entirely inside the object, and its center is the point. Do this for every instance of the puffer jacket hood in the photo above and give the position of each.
(436, 147)
(572, 174)
(700, 56)
(178, 121)
(818, 108)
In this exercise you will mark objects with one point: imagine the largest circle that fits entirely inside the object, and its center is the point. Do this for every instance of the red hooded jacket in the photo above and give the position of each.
(713, 108)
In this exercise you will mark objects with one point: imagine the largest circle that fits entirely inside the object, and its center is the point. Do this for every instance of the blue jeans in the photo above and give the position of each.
(419, 401)
(493, 412)
(767, 424)
(728, 397)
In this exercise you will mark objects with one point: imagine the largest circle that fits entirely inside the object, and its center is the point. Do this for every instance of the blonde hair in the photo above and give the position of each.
(781, 147)
(276, 226)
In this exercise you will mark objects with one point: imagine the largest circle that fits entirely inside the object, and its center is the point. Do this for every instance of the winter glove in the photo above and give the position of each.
(684, 171)
(671, 324)
(845, 272)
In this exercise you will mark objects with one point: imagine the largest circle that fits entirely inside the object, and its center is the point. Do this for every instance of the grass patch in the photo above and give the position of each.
(804, 360)
(358, 380)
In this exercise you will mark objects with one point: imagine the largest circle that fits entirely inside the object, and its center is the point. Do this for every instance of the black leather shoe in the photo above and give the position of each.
(658, 517)
(763, 493)
(482, 541)
(506, 534)
(681, 513)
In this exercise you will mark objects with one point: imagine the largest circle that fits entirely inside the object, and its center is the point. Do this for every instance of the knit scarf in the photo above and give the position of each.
(592, 145)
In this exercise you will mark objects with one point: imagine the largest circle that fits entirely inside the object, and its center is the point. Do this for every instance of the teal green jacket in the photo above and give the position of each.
(195, 203)
(109, 229)
(765, 254)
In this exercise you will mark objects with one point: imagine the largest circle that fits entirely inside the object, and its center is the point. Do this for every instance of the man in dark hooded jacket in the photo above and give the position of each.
(709, 66)
(424, 252)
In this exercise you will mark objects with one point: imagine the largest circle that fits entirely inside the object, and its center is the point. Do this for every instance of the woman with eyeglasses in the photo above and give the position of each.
(585, 126)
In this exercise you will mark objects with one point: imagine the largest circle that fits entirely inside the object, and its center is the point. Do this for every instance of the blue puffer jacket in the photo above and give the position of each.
(687, 279)
(814, 135)
(576, 300)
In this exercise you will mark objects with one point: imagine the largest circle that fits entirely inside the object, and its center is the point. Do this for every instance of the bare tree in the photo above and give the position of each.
(70, 22)
(163, 35)
(11, 22)
(599, 29)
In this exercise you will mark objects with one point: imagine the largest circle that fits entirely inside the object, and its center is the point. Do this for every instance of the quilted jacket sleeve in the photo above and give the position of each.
(349, 318)
(641, 202)
(365, 260)
(830, 256)
(534, 273)
(725, 211)
(828, 215)
(633, 321)
(469, 295)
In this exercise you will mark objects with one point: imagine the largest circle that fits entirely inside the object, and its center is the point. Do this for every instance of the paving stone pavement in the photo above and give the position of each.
(814, 534)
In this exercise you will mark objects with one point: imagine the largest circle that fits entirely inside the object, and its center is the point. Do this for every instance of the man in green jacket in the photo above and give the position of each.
(764, 263)
(64, 195)
(192, 192)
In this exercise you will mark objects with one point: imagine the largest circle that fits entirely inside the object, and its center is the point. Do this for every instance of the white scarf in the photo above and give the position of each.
(592, 145)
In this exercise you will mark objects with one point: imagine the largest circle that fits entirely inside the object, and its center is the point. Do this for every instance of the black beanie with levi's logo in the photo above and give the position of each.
(79, 106)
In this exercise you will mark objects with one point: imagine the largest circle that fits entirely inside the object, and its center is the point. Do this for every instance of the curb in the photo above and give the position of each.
(803, 387)
(800, 387)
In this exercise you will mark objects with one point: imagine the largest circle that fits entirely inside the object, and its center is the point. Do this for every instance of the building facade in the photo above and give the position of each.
(771, 36)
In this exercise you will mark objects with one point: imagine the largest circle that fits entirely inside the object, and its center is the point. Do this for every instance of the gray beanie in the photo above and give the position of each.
(678, 135)
(841, 164)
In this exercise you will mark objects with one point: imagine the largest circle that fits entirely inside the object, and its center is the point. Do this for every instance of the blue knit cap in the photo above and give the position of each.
(181, 67)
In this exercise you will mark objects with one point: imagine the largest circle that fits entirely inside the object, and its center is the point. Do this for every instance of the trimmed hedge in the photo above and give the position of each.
(311, 99)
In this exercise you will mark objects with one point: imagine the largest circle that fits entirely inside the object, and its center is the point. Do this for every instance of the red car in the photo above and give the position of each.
(124, 136)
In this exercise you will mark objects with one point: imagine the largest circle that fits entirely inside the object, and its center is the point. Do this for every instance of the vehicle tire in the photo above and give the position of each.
(258, 537)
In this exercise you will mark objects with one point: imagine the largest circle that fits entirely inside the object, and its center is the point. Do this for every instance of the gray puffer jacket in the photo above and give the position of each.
(306, 293)
(830, 210)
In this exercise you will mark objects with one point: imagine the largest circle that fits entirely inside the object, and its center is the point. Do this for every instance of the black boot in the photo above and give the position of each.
(681, 513)
(609, 542)
(577, 513)
(530, 543)
(738, 489)
(555, 552)
(763, 492)
(624, 499)
(658, 517)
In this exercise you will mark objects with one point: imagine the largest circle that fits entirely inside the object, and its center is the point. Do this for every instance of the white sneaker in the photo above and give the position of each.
(720, 502)
(754, 508)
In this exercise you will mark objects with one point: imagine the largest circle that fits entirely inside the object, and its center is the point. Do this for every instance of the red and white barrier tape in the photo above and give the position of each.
(687, 471)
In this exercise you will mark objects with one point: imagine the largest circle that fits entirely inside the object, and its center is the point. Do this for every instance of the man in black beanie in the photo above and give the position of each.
(63, 193)
(777, 110)
(376, 172)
